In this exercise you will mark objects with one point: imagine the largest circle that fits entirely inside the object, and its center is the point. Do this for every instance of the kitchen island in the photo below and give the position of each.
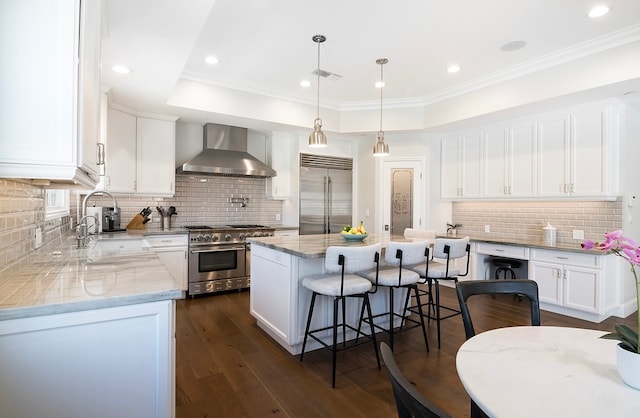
(280, 303)
(89, 331)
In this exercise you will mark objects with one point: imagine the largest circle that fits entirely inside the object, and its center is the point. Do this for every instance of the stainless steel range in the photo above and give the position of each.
(220, 257)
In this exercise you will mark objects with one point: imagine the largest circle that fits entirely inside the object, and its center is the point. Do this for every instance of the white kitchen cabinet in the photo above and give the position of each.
(111, 362)
(461, 166)
(172, 249)
(509, 161)
(577, 152)
(50, 101)
(140, 154)
(571, 283)
(278, 147)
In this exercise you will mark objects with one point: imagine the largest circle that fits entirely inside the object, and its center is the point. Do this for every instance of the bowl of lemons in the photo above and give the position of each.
(354, 234)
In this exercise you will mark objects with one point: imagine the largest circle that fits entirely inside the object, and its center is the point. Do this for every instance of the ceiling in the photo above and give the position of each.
(264, 48)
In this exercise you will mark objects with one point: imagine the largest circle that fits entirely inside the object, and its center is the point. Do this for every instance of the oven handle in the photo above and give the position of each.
(218, 250)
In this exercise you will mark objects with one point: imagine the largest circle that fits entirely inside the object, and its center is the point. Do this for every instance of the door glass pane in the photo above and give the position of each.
(401, 200)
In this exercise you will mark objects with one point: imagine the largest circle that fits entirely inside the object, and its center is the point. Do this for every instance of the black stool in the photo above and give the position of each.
(505, 267)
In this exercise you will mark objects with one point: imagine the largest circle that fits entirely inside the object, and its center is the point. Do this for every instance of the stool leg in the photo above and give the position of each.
(424, 331)
(437, 309)
(344, 322)
(306, 331)
(335, 341)
(373, 331)
(391, 318)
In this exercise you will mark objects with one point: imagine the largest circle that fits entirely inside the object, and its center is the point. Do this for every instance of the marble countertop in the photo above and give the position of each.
(116, 269)
(314, 246)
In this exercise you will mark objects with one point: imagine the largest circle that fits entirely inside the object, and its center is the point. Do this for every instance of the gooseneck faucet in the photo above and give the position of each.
(83, 230)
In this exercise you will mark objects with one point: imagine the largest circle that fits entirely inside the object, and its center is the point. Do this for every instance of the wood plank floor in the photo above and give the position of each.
(227, 367)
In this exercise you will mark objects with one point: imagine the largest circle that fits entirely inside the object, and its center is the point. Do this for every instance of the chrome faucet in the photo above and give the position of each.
(83, 230)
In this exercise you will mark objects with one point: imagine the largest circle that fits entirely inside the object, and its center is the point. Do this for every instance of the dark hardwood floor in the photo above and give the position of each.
(227, 367)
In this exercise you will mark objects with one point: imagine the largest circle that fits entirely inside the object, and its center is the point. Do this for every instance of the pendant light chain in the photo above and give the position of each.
(381, 90)
(318, 84)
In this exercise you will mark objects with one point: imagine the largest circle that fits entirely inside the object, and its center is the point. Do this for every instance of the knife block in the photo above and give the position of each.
(136, 223)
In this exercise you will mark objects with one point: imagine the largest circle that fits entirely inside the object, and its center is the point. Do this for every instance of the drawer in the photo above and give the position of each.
(501, 250)
(567, 257)
(170, 240)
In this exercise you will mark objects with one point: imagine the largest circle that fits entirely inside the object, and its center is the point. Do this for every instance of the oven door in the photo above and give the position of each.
(213, 262)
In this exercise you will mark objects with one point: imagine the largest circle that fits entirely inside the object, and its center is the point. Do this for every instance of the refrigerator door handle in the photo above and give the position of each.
(330, 200)
(326, 205)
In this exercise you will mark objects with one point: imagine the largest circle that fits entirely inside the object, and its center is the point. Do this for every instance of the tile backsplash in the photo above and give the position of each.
(525, 219)
(203, 200)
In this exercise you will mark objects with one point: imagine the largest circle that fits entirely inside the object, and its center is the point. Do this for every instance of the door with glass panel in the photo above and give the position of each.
(402, 196)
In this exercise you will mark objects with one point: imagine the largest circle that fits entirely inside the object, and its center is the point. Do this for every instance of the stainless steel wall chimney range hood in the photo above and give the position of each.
(225, 153)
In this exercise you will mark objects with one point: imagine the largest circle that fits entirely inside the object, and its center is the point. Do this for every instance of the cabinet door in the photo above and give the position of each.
(120, 159)
(175, 260)
(589, 146)
(553, 161)
(279, 158)
(549, 279)
(471, 166)
(522, 160)
(155, 156)
(449, 167)
(495, 163)
(581, 288)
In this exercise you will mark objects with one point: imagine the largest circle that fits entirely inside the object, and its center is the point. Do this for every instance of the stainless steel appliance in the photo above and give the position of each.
(111, 220)
(325, 194)
(219, 257)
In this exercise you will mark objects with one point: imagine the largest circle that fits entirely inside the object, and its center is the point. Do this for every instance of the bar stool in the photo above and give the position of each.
(394, 276)
(505, 267)
(341, 282)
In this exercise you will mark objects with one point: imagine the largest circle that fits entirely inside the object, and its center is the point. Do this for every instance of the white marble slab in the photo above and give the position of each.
(62, 278)
(545, 372)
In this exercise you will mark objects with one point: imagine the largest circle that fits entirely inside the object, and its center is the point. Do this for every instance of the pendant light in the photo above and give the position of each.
(317, 138)
(380, 149)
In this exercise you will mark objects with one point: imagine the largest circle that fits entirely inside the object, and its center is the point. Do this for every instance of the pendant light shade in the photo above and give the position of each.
(317, 138)
(380, 149)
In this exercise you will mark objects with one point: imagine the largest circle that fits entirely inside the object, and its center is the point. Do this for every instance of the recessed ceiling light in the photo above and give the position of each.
(513, 46)
(599, 10)
(379, 84)
(452, 69)
(211, 60)
(305, 83)
(121, 69)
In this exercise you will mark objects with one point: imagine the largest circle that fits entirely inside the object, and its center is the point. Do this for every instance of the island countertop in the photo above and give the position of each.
(60, 278)
(315, 246)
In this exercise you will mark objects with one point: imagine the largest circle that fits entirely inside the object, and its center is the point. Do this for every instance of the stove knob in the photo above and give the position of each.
(214, 238)
(227, 237)
(242, 235)
(199, 237)
(207, 237)
(256, 234)
(268, 234)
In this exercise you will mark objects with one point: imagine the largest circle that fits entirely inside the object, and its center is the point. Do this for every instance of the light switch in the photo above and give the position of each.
(578, 234)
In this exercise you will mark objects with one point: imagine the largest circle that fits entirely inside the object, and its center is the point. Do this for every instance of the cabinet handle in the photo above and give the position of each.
(504, 190)
(565, 188)
(499, 250)
(100, 153)
(170, 186)
(573, 187)
(509, 190)
(135, 185)
(562, 258)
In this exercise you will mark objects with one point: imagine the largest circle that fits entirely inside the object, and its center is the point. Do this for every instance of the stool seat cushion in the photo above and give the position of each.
(437, 270)
(388, 276)
(329, 284)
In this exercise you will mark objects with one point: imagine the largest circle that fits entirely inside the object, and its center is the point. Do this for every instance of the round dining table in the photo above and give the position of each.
(541, 371)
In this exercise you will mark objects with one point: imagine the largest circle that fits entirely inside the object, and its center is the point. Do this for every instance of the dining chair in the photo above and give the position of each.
(394, 276)
(339, 283)
(409, 402)
(442, 264)
(520, 287)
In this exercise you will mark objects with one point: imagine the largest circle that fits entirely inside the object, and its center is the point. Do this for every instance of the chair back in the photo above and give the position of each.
(466, 289)
(451, 248)
(409, 402)
(420, 233)
(356, 258)
(411, 252)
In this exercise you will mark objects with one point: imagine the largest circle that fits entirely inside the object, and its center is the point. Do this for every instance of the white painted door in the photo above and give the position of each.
(553, 161)
(522, 160)
(155, 156)
(389, 165)
(120, 165)
(588, 147)
(471, 165)
(495, 163)
(450, 167)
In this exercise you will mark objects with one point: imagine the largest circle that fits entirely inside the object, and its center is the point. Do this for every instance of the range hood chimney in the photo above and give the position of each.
(225, 153)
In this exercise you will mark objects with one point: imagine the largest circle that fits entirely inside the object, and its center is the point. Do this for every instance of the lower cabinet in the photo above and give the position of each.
(111, 362)
(172, 250)
(574, 283)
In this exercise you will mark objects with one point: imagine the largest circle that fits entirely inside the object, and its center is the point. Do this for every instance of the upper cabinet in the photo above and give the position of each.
(140, 154)
(278, 150)
(50, 81)
(461, 162)
(562, 154)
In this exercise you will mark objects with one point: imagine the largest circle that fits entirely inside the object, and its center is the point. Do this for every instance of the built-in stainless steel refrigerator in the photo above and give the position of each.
(325, 194)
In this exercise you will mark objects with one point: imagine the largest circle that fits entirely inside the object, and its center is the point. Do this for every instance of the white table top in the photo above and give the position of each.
(545, 372)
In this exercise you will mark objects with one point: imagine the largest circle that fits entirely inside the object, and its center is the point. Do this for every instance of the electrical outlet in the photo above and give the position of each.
(277, 216)
(578, 234)
(487, 228)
